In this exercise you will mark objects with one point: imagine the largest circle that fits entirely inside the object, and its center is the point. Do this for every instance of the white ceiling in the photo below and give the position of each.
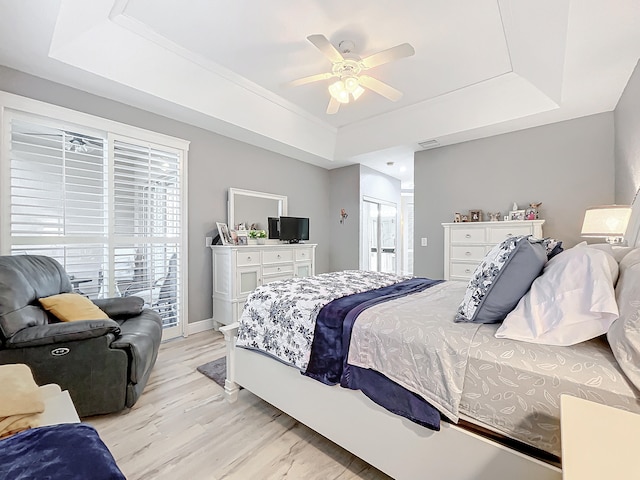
(481, 67)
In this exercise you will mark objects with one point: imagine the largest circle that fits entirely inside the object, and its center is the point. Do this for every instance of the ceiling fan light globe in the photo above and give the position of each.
(351, 84)
(339, 92)
(357, 92)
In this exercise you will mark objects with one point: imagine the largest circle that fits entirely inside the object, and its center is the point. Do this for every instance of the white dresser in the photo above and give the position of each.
(466, 243)
(238, 270)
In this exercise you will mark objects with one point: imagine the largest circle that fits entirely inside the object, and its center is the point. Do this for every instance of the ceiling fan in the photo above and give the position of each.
(351, 83)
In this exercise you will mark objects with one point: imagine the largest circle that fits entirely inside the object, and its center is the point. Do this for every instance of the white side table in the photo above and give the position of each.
(598, 442)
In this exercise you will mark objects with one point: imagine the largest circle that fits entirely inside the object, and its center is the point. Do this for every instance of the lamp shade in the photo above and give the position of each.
(606, 221)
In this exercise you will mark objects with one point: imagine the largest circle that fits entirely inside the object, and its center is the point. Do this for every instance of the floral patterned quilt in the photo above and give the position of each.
(279, 318)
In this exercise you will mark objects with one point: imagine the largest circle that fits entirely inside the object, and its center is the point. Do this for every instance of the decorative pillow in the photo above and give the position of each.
(572, 301)
(624, 334)
(553, 247)
(503, 277)
(69, 307)
(608, 249)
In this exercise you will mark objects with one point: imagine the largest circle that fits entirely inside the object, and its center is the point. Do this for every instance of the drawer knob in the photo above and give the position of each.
(468, 235)
(303, 254)
(278, 268)
(249, 258)
(278, 255)
(467, 253)
(467, 270)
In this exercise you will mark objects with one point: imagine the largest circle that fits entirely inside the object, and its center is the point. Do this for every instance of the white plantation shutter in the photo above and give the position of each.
(108, 208)
(147, 221)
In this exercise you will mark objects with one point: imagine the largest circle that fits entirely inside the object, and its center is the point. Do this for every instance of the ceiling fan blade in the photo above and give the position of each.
(333, 106)
(311, 78)
(380, 88)
(324, 45)
(388, 55)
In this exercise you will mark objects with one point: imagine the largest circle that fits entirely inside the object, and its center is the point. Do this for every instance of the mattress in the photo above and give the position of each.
(514, 387)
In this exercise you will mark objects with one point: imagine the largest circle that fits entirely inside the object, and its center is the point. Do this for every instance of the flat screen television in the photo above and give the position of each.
(293, 229)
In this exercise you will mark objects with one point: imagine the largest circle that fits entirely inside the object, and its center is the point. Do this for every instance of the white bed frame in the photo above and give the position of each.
(393, 444)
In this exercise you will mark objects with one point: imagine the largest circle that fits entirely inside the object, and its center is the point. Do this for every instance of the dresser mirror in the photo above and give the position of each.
(246, 208)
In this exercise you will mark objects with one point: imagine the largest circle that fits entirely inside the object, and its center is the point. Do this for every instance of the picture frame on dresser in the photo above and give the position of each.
(225, 234)
(517, 214)
(475, 215)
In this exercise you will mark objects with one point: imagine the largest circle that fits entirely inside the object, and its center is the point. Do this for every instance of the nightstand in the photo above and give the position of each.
(598, 442)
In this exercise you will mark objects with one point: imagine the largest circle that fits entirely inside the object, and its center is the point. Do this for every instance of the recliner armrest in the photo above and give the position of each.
(120, 306)
(62, 332)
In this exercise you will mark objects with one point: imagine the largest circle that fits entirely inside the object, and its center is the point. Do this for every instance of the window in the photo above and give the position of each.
(109, 208)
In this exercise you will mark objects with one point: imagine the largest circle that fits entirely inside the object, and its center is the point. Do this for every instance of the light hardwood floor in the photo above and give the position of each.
(183, 428)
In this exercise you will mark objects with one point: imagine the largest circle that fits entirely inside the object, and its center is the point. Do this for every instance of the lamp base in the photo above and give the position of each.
(617, 241)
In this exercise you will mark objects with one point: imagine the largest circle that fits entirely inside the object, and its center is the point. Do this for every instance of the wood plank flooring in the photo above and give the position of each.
(183, 428)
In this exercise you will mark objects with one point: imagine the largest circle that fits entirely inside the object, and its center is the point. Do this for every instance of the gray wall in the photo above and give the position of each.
(345, 237)
(627, 150)
(347, 186)
(215, 164)
(568, 166)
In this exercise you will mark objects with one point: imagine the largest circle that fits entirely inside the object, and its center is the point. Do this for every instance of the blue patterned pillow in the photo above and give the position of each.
(500, 281)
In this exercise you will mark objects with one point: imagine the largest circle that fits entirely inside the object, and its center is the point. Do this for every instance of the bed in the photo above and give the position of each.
(499, 386)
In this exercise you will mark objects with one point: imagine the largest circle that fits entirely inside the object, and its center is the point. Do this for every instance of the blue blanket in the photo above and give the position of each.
(72, 451)
(329, 352)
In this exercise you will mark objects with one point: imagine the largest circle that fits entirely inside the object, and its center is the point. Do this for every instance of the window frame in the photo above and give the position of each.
(15, 106)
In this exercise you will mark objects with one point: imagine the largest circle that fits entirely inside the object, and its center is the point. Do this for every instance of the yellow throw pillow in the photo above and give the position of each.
(69, 307)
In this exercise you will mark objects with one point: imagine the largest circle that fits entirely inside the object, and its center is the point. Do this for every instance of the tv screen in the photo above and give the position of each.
(294, 229)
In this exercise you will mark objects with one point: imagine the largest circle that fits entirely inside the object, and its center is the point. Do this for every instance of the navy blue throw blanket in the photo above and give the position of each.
(71, 451)
(329, 352)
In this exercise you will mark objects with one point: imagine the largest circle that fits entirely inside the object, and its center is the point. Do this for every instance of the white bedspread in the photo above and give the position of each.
(415, 342)
(279, 318)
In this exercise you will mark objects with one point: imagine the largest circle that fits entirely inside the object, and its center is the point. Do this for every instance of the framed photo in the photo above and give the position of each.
(475, 215)
(234, 237)
(225, 234)
(243, 238)
(464, 218)
(517, 214)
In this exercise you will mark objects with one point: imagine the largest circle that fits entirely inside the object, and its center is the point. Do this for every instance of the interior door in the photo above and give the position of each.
(379, 237)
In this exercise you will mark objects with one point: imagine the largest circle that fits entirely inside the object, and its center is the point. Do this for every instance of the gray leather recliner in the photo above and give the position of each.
(104, 364)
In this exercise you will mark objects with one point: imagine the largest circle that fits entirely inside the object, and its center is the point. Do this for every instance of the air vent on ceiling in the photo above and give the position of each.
(429, 144)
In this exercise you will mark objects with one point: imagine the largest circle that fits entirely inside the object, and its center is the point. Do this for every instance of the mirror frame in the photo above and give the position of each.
(233, 192)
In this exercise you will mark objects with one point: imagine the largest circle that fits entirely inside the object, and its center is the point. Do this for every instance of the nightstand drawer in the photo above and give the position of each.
(467, 235)
(498, 234)
(463, 270)
(468, 252)
(248, 257)
(277, 256)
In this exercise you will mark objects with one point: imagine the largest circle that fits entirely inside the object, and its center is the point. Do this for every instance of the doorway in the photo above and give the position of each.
(380, 231)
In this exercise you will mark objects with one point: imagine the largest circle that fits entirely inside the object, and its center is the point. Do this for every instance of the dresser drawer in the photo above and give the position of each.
(303, 254)
(277, 256)
(467, 235)
(498, 234)
(247, 257)
(462, 270)
(468, 252)
(278, 270)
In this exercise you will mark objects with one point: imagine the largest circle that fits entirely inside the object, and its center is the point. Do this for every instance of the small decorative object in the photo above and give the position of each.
(514, 206)
(494, 217)
(517, 214)
(532, 211)
(258, 235)
(475, 215)
(505, 218)
(457, 217)
(241, 226)
(343, 215)
(243, 239)
(225, 235)
(464, 218)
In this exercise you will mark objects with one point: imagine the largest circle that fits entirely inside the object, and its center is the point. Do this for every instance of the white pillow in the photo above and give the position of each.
(611, 257)
(572, 301)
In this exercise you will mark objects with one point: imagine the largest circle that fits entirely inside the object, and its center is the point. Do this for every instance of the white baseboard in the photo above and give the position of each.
(201, 326)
